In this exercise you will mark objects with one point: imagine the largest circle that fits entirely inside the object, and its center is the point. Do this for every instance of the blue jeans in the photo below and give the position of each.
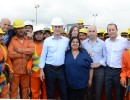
(112, 78)
(52, 74)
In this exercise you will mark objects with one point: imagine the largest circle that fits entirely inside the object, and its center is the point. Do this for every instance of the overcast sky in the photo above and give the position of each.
(109, 11)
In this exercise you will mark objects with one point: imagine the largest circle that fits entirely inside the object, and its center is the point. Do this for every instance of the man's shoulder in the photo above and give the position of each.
(65, 38)
(85, 41)
(11, 32)
(100, 40)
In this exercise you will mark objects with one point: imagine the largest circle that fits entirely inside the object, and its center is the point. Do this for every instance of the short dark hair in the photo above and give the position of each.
(47, 31)
(34, 39)
(70, 32)
(112, 24)
(71, 39)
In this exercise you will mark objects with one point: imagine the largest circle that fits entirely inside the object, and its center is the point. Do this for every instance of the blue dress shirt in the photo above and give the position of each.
(53, 51)
(97, 49)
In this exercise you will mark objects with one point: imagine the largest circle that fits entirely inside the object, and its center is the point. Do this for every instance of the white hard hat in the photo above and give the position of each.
(38, 28)
(57, 21)
(28, 23)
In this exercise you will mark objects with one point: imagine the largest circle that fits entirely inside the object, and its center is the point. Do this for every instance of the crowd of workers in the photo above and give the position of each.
(48, 63)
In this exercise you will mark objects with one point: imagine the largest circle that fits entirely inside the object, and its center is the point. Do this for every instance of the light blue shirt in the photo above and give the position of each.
(53, 51)
(97, 49)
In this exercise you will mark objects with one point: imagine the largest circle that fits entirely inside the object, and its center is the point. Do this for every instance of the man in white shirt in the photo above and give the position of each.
(52, 60)
(115, 46)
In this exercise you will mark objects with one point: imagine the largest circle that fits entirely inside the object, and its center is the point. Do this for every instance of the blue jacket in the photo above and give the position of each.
(11, 33)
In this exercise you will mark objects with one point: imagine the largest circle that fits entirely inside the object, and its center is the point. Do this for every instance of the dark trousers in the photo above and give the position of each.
(95, 92)
(90, 95)
(53, 74)
(112, 78)
(98, 82)
(77, 94)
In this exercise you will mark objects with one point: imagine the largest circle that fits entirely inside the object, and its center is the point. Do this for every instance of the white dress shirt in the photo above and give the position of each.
(115, 50)
(53, 51)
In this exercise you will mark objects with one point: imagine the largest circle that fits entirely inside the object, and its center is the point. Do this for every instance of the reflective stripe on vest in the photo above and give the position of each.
(36, 61)
(5, 57)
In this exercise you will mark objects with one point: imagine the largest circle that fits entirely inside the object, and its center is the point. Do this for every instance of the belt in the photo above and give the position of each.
(112, 67)
(55, 67)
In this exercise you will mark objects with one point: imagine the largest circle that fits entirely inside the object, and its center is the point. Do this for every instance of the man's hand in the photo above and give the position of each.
(30, 71)
(29, 35)
(18, 50)
(95, 65)
(90, 53)
(123, 83)
(89, 82)
(42, 75)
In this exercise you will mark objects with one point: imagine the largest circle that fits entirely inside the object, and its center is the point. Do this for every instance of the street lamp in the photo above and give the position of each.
(95, 15)
(36, 6)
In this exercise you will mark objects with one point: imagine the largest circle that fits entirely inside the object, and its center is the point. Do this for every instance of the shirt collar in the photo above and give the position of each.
(117, 38)
(55, 38)
(97, 39)
(25, 37)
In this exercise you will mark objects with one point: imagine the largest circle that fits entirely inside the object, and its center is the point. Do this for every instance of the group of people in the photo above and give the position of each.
(46, 64)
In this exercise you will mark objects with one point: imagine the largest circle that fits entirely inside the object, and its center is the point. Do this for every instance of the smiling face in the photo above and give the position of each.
(5, 24)
(20, 31)
(92, 32)
(75, 44)
(39, 36)
(57, 29)
(82, 36)
(75, 32)
(28, 28)
(112, 31)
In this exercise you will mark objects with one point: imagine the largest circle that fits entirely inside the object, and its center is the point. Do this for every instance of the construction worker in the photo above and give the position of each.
(64, 33)
(20, 49)
(28, 28)
(100, 34)
(125, 72)
(124, 33)
(6, 71)
(83, 34)
(51, 30)
(47, 32)
(33, 68)
(80, 23)
(74, 31)
(105, 36)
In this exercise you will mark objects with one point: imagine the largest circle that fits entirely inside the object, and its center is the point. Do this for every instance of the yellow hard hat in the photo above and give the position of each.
(1, 31)
(51, 30)
(124, 32)
(18, 23)
(83, 30)
(64, 32)
(101, 31)
(80, 21)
